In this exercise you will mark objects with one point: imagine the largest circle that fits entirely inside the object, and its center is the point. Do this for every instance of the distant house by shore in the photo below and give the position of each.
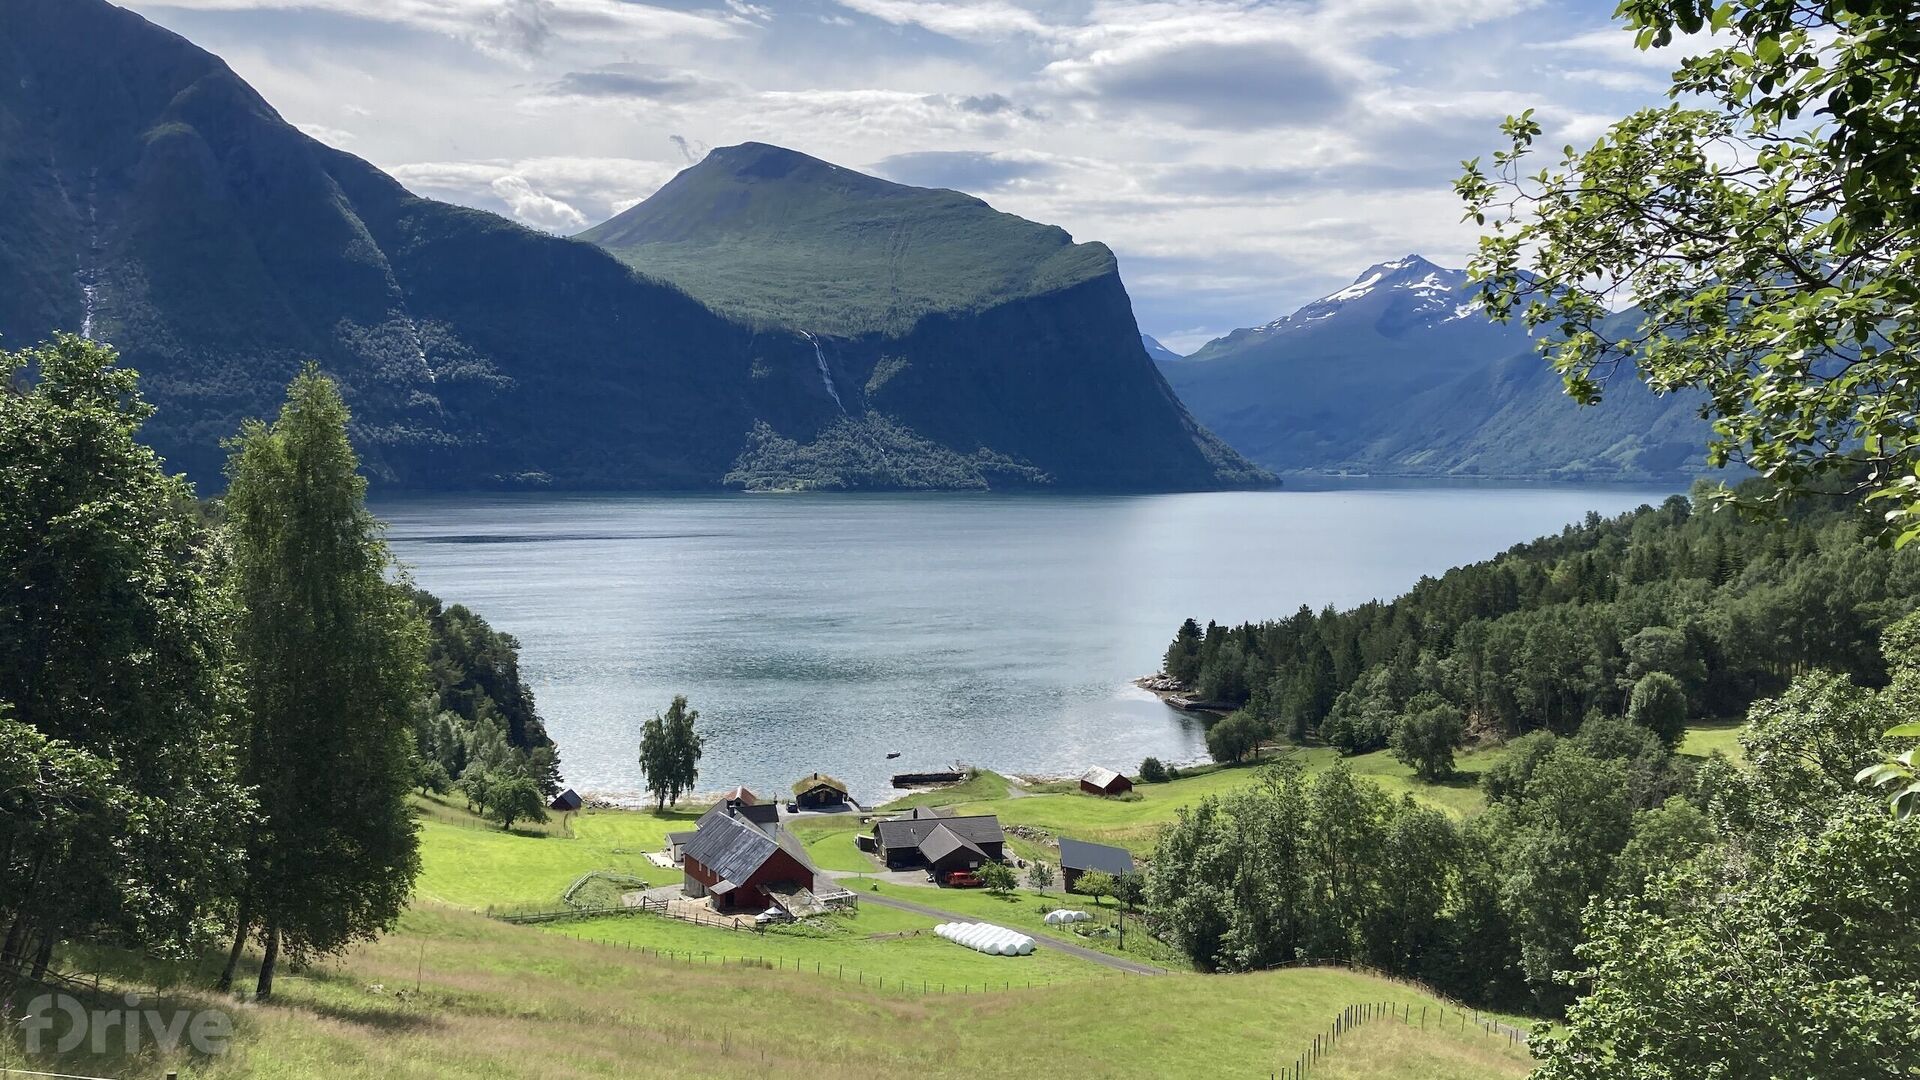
(819, 791)
(1101, 781)
(566, 802)
(1079, 857)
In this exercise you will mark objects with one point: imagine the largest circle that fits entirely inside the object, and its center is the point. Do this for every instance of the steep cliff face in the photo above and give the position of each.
(150, 198)
(975, 329)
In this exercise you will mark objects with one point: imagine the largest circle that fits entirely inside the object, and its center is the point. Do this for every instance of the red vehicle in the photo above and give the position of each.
(964, 879)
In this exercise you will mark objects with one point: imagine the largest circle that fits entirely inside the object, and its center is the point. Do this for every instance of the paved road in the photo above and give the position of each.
(1068, 947)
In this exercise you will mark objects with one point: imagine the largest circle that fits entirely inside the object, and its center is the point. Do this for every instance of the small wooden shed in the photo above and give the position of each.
(566, 802)
(1099, 781)
(819, 791)
(1078, 857)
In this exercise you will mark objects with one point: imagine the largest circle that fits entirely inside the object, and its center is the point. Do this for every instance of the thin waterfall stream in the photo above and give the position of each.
(826, 374)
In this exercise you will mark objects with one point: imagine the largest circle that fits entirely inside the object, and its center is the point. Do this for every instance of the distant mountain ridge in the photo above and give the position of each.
(150, 196)
(1401, 373)
(779, 238)
(1157, 352)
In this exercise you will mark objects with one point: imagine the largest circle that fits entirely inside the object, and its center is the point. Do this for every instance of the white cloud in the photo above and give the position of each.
(506, 25)
(1240, 156)
(988, 20)
(535, 208)
(332, 136)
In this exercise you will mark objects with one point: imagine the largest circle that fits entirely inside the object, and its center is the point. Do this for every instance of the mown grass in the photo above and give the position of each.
(513, 1002)
(1703, 740)
(1026, 910)
(984, 784)
(829, 841)
(846, 949)
(480, 868)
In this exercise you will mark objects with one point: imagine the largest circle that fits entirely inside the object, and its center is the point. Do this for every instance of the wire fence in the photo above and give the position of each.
(1428, 1018)
(646, 906)
(1451, 1004)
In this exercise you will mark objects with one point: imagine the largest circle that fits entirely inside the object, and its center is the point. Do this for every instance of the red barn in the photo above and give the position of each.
(740, 866)
(1099, 781)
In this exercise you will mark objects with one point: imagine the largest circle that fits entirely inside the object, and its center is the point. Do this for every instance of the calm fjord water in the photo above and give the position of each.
(824, 631)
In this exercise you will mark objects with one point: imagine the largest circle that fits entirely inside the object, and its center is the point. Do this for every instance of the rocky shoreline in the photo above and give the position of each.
(1178, 695)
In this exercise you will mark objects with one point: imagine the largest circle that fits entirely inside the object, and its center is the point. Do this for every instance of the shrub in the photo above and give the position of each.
(1152, 772)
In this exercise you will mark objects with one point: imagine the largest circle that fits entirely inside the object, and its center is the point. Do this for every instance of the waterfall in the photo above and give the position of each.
(826, 375)
(88, 271)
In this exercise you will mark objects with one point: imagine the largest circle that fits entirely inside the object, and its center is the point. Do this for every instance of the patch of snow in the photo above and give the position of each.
(1359, 288)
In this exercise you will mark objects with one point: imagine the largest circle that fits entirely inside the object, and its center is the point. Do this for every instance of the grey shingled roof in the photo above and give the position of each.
(1081, 855)
(762, 816)
(943, 842)
(730, 848)
(912, 832)
(1100, 777)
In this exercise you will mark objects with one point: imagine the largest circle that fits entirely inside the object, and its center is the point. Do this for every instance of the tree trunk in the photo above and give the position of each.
(242, 921)
(44, 955)
(16, 942)
(263, 989)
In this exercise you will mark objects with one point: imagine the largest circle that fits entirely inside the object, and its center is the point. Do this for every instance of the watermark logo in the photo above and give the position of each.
(61, 1024)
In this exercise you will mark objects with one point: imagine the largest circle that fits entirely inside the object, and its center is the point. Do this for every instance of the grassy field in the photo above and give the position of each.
(829, 841)
(879, 946)
(481, 867)
(513, 1002)
(1705, 739)
(1026, 910)
(1135, 823)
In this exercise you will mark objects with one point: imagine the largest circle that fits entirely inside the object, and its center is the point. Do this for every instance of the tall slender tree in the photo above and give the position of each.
(670, 752)
(117, 799)
(331, 662)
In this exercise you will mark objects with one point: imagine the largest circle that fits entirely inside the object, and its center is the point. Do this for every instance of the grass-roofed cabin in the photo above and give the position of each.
(819, 792)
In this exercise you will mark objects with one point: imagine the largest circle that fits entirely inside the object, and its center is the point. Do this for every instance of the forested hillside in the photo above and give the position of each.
(1610, 877)
(1553, 629)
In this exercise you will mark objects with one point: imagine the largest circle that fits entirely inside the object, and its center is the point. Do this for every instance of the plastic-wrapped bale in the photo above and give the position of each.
(986, 938)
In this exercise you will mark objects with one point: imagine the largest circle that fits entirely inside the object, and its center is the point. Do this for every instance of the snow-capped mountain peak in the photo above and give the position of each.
(1406, 292)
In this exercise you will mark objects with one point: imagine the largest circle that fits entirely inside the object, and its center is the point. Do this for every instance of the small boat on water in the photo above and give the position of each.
(891, 754)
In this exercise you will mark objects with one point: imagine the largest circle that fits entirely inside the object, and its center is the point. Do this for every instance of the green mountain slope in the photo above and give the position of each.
(933, 315)
(149, 197)
(780, 238)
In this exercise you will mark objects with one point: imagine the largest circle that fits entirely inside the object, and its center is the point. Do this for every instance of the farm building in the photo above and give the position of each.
(818, 792)
(1099, 781)
(947, 851)
(739, 795)
(746, 869)
(566, 802)
(1077, 857)
(937, 843)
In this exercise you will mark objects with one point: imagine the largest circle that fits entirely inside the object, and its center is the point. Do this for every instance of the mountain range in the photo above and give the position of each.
(150, 198)
(1401, 373)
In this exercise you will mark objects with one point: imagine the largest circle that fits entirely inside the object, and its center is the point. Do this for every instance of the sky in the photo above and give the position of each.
(1240, 158)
